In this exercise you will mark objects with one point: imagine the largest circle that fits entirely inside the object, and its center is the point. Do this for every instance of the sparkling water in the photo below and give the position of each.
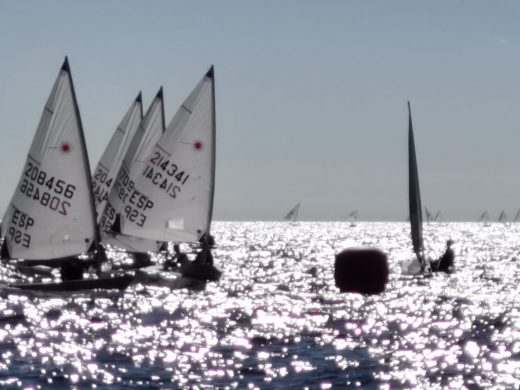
(275, 320)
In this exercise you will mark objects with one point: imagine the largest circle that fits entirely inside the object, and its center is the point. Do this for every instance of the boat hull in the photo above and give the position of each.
(108, 283)
(205, 272)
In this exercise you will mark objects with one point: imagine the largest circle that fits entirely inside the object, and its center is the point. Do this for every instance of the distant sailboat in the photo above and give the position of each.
(352, 217)
(438, 216)
(429, 216)
(502, 218)
(51, 216)
(414, 197)
(517, 216)
(292, 215)
(484, 217)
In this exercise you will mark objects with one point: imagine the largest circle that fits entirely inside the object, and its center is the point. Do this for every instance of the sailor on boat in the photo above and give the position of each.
(204, 256)
(178, 259)
(446, 261)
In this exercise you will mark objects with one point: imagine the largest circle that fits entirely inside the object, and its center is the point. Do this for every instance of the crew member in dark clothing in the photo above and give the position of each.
(446, 262)
(204, 256)
(207, 240)
(178, 259)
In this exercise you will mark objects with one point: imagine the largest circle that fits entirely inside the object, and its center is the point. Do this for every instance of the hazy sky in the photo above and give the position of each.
(311, 95)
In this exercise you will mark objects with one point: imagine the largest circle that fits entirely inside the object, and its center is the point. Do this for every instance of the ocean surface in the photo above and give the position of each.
(275, 320)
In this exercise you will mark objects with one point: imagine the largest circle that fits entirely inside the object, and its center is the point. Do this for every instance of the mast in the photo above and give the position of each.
(414, 194)
(211, 75)
(160, 96)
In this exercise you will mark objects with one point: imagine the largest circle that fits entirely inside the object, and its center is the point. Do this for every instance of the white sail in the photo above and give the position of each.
(173, 187)
(147, 135)
(292, 215)
(51, 214)
(110, 163)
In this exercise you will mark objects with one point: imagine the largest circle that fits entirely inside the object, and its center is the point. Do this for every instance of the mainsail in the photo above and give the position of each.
(502, 217)
(109, 165)
(414, 194)
(173, 187)
(292, 215)
(150, 130)
(51, 214)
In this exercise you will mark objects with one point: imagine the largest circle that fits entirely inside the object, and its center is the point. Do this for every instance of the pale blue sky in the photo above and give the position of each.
(311, 95)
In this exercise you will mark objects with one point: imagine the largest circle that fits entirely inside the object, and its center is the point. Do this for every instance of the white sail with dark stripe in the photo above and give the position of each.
(109, 165)
(173, 187)
(51, 214)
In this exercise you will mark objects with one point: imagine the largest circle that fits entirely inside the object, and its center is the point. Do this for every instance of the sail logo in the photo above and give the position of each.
(65, 147)
(197, 145)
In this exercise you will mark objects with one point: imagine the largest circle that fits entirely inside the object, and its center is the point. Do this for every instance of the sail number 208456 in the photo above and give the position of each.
(45, 189)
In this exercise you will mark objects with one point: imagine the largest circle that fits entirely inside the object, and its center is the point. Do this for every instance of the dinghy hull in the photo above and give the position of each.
(109, 283)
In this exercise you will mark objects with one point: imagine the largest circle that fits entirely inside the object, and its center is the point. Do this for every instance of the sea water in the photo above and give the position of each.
(276, 321)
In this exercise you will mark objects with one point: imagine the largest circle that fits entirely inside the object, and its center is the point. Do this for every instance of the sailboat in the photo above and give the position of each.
(171, 198)
(484, 217)
(429, 216)
(502, 218)
(438, 216)
(414, 200)
(517, 216)
(51, 217)
(352, 217)
(107, 169)
(149, 131)
(292, 215)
